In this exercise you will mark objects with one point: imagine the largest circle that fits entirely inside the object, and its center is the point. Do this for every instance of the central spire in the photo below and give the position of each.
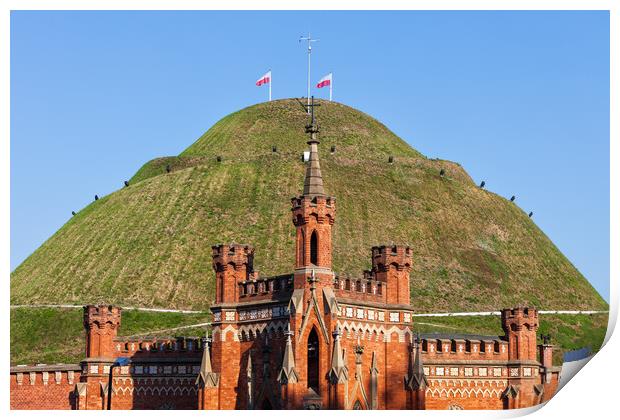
(313, 183)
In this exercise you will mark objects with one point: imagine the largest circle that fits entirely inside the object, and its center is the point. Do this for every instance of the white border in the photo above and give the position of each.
(590, 394)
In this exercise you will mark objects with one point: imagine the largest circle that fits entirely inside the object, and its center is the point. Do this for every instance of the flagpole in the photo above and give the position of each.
(309, 40)
(309, 51)
(331, 84)
(270, 81)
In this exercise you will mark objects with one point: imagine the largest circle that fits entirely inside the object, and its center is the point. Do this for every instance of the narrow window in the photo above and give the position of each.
(313, 361)
(302, 248)
(314, 251)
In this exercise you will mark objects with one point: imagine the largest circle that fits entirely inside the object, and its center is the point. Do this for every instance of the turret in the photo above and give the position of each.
(313, 218)
(314, 213)
(101, 323)
(520, 325)
(392, 265)
(232, 263)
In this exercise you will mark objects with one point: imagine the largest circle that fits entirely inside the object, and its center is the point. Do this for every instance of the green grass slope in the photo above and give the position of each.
(150, 244)
(56, 335)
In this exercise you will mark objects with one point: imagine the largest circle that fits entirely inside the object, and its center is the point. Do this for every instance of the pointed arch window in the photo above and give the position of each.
(314, 248)
(357, 405)
(313, 360)
(302, 247)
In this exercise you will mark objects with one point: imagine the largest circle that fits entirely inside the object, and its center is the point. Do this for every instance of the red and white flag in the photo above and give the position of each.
(325, 81)
(264, 79)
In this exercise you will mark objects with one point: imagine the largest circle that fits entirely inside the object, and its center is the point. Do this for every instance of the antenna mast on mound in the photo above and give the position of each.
(310, 41)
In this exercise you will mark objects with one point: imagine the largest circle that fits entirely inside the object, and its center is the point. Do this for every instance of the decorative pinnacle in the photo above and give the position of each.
(312, 280)
(266, 347)
(313, 184)
(288, 332)
(336, 333)
(359, 349)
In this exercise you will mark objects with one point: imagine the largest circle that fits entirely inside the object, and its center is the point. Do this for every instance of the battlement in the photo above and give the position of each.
(365, 289)
(517, 318)
(464, 347)
(265, 287)
(323, 208)
(101, 315)
(384, 256)
(158, 347)
(235, 254)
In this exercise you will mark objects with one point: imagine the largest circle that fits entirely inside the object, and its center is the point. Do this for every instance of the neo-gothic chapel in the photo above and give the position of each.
(310, 339)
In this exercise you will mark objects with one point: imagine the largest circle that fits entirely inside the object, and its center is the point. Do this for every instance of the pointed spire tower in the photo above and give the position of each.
(288, 373)
(207, 380)
(206, 377)
(416, 381)
(288, 376)
(339, 373)
(338, 376)
(314, 213)
(313, 183)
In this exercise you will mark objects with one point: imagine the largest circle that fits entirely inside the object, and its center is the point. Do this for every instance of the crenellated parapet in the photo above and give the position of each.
(397, 256)
(366, 289)
(321, 208)
(255, 289)
(149, 347)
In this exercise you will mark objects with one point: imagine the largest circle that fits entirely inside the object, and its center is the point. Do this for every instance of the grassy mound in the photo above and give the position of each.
(150, 244)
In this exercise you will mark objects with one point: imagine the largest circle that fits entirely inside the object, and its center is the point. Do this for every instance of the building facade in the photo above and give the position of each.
(310, 339)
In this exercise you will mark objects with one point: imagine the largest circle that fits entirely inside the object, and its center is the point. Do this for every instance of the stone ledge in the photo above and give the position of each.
(46, 368)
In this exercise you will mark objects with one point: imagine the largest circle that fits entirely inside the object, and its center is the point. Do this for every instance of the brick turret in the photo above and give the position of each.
(232, 263)
(313, 217)
(314, 213)
(391, 266)
(520, 325)
(101, 324)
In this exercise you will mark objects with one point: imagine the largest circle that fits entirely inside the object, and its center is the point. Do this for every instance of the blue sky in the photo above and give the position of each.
(520, 99)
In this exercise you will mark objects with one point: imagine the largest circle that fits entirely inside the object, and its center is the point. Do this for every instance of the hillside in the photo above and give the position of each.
(149, 244)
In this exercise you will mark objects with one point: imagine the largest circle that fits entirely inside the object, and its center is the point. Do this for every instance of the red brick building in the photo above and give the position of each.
(308, 339)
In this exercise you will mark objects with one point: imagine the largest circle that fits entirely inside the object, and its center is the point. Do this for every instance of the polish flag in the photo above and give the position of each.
(265, 78)
(325, 81)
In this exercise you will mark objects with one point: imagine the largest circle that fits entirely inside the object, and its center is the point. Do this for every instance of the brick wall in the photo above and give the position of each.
(48, 388)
